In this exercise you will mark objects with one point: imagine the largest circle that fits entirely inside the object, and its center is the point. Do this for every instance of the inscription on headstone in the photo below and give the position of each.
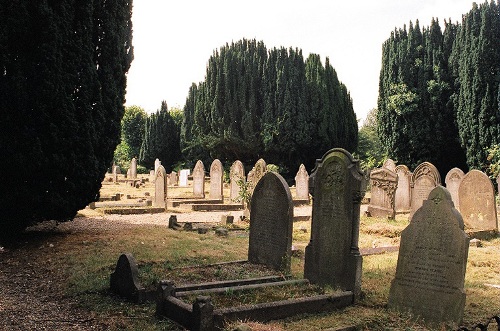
(160, 187)
(476, 195)
(199, 180)
(430, 273)
(332, 256)
(216, 178)
(271, 223)
(453, 180)
(383, 188)
(423, 180)
(302, 184)
(237, 174)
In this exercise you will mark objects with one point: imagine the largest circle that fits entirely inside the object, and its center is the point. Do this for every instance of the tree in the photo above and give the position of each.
(370, 150)
(62, 91)
(132, 125)
(161, 139)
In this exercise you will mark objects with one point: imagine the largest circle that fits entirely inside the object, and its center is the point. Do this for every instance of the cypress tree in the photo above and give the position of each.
(62, 92)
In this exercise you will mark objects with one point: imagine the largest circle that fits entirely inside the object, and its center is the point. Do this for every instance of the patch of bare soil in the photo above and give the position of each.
(31, 292)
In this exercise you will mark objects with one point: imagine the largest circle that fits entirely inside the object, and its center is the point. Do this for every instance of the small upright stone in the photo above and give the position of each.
(125, 280)
(183, 177)
(160, 187)
(199, 180)
(133, 168)
(302, 184)
(430, 273)
(453, 179)
(402, 199)
(237, 177)
(383, 188)
(216, 180)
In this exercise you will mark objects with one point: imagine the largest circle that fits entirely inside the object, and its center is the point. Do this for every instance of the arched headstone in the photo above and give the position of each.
(160, 187)
(199, 180)
(302, 184)
(133, 168)
(453, 179)
(237, 174)
(216, 180)
(402, 199)
(423, 180)
(125, 280)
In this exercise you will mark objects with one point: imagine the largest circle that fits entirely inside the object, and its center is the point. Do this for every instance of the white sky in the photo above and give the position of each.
(173, 40)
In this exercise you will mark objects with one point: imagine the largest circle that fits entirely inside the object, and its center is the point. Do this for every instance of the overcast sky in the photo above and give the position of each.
(173, 40)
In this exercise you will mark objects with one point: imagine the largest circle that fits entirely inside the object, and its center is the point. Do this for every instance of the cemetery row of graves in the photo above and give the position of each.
(430, 275)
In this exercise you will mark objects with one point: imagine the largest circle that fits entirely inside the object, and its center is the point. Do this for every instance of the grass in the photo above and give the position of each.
(89, 258)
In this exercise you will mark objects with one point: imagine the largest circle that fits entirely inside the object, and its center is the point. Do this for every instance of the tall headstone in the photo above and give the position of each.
(115, 173)
(476, 195)
(160, 187)
(302, 183)
(260, 170)
(430, 273)
(237, 174)
(157, 164)
(174, 178)
(453, 179)
(183, 177)
(423, 180)
(216, 180)
(383, 188)
(133, 168)
(199, 180)
(402, 199)
(337, 185)
(271, 223)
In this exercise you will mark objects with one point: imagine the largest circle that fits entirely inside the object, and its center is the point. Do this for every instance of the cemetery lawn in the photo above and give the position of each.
(57, 276)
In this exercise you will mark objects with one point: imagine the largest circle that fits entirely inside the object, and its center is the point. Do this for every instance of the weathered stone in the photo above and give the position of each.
(389, 165)
(172, 222)
(423, 180)
(157, 164)
(237, 177)
(199, 180)
(203, 314)
(383, 188)
(222, 232)
(216, 180)
(160, 187)
(452, 180)
(302, 183)
(183, 177)
(402, 199)
(260, 170)
(133, 168)
(227, 219)
(173, 178)
(476, 196)
(188, 226)
(271, 223)
(430, 273)
(332, 256)
(125, 280)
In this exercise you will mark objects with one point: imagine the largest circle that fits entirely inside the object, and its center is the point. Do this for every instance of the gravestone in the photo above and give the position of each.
(260, 170)
(383, 188)
(173, 178)
(115, 173)
(157, 164)
(237, 173)
(453, 179)
(337, 185)
(476, 195)
(430, 273)
(160, 187)
(271, 223)
(125, 280)
(402, 199)
(216, 180)
(199, 180)
(251, 178)
(133, 168)
(423, 180)
(183, 177)
(302, 183)
(390, 165)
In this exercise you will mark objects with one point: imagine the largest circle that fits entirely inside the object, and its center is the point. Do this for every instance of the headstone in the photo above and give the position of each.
(183, 177)
(160, 187)
(133, 168)
(453, 180)
(271, 223)
(390, 165)
(476, 195)
(216, 180)
(125, 280)
(302, 183)
(383, 188)
(173, 178)
(157, 164)
(402, 199)
(430, 273)
(260, 170)
(199, 180)
(251, 177)
(115, 173)
(423, 180)
(237, 174)
(332, 256)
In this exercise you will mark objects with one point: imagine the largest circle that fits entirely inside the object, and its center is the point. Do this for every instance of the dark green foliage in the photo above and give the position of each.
(132, 126)
(258, 103)
(161, 140)
(62, 88)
